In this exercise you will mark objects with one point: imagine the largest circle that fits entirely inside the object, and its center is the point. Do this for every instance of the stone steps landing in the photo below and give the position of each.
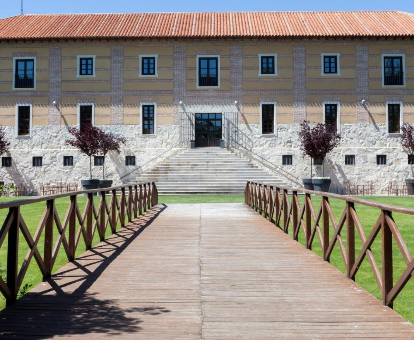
(206, 171)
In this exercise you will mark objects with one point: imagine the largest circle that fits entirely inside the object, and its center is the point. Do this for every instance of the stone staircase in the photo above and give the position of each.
(206, 171)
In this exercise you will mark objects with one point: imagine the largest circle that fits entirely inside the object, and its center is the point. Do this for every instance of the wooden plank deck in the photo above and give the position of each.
(210, 271)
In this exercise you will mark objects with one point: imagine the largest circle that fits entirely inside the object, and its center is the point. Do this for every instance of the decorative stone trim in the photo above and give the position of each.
(299, 85)
(117, 63)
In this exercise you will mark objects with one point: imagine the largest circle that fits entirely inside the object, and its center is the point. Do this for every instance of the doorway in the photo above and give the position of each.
(208, 129)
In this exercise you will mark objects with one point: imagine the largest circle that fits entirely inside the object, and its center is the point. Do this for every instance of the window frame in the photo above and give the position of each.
(338, 114)
(274, 119)
(338, 64)
(65, 157)
(3, 161)
(155, 56)
(141, 118)
(198, 67)
(33, 161)
(383, 56)
(378, 158)
(93, 75)
(352, 157)
(16, 123)
(95, 157)
(34, 74)
(401, 116)
(93, 113)
(285, 157)
(130, 157)
(274, 55)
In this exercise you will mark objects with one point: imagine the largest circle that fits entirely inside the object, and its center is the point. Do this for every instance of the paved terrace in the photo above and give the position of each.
(210, 271)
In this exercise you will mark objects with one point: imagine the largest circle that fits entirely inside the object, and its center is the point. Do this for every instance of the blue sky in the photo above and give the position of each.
(9, 8)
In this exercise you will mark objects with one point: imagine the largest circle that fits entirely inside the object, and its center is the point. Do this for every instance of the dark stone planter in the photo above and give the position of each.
(222, 143)
(321, 184)
(1, 183)
(192, 144)
(307, 183)
(103, 184)
(410, 186)
(89, 184)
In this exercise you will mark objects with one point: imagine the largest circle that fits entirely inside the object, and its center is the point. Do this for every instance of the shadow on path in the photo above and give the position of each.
(63, 305)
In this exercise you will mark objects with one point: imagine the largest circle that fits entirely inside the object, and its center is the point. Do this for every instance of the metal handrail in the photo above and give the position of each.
(152, 159)
(296, 179)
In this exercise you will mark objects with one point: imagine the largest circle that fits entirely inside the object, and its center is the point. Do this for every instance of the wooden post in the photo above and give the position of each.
(277, 206)
(48, 245)
(387, 265)
(350, 239)
(102, 216)
(295, 214)
(135, 201)
(308, 221)
(144, 199)
(13, 255)
(285, 211)
(325, 227)
(271, 203)
(72, 228)
(265, 211)
(140, 200)
(113, 211)
(89, 214)
(130, 203)
(246, 194)
(122, 207)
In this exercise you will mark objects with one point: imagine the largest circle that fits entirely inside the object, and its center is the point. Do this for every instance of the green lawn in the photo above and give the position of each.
(404, 304)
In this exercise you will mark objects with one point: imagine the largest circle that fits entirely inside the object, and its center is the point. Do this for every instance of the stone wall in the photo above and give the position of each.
(49, 143)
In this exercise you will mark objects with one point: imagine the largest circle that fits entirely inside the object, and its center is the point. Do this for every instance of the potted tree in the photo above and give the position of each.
(407, 143)
(86, 140)
(316, 143)
(108, 142)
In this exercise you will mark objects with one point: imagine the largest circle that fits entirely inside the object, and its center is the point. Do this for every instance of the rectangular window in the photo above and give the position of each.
(23, 120)
(393, 70)
(37, 161)
(6, 162)
(330, 64)
(208, 72)
(267, 65)
(287, 159)
(148, 66)
(67, 160)
(381, 159)
(410, 159)
(349, 159)
(24, 74)
(268, 119)
(98, 160)
(86, 67)
(331, 115)
(394, 118)
(85, 115)
(148, 115)
(130, 160)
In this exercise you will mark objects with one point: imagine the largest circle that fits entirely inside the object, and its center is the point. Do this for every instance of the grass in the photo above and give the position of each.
(404, 304)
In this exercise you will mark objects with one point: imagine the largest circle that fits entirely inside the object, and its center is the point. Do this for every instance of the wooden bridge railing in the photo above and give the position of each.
(133, 200)
(282, 207)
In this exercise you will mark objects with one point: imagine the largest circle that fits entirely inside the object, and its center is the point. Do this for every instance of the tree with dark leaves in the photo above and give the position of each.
(109, 142)
(4, 143)
(86, 140)
(318, 141)
(407, 141)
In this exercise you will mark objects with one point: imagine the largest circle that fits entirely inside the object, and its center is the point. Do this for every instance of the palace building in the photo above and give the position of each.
(243, 81)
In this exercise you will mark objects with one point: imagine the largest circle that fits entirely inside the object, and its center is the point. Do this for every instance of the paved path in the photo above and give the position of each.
(211, 271)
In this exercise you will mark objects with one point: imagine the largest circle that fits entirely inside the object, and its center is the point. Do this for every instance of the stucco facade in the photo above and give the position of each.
(118, 91)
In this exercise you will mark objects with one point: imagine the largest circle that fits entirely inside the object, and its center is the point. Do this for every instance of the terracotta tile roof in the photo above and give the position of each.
(187, 25)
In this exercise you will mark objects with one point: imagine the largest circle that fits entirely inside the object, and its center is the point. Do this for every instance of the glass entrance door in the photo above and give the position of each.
(208, 129)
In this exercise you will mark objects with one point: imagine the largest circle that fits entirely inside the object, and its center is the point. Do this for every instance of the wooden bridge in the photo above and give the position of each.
(199, 271)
